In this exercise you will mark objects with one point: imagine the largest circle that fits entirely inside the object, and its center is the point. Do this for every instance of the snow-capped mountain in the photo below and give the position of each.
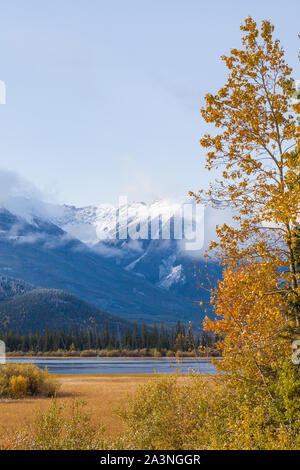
(161, 242)
(37, 251)
(134, 260)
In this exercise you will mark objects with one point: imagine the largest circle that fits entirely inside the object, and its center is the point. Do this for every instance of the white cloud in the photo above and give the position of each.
(23, 199)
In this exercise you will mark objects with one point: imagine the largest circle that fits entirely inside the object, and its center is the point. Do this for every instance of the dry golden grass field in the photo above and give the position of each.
(102, 394)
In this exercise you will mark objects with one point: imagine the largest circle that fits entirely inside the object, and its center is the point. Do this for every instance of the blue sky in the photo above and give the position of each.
(103, 97)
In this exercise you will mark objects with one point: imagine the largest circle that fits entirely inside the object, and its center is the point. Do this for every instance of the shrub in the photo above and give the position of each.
(156, 353)
(19, 380)
(18, 386)
(144, 352)
(88, 353)
(175, 413)
(170, 354)
(165, 413)
(72, 353)
(179, 354)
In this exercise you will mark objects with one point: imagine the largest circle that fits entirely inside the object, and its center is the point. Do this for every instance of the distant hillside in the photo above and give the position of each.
(10, 287)
(24, 308)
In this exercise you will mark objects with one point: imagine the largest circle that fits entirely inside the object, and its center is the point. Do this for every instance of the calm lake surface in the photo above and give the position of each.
(120, 366)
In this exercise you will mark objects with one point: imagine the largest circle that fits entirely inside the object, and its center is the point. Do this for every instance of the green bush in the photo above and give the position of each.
(20, 380)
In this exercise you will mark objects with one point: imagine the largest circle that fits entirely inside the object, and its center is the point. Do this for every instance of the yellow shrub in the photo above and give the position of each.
(14, 377)
(18, 386)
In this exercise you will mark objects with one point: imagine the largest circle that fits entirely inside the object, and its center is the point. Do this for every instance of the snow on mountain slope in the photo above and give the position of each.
(159, 242)
(41, 253)
(107, 222)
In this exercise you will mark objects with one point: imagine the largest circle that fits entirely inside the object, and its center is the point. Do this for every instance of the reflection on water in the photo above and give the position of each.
(121, 366)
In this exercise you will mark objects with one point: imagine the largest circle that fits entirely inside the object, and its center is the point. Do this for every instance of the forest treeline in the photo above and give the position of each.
(143, 341)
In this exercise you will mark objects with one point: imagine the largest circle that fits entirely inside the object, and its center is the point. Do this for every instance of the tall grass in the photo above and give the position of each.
(56, 430)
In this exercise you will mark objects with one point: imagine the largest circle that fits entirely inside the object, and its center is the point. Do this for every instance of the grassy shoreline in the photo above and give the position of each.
(194, 358)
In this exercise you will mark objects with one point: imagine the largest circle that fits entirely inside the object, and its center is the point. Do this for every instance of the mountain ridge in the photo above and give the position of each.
(24, 308)
(41, 253)
(165, 262)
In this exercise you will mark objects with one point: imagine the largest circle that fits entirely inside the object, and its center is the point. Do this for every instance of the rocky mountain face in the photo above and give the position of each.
(137, 279)
(162, 242)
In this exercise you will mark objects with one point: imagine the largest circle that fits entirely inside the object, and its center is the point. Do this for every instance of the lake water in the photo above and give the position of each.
(120, 366)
